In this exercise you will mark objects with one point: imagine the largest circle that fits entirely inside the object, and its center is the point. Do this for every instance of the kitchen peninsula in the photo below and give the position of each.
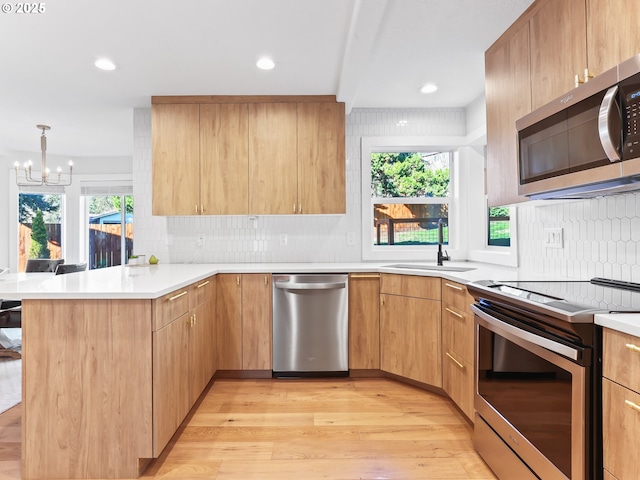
(99, 364)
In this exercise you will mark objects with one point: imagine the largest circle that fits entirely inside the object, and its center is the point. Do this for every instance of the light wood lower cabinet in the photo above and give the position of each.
(170, 382)
(182, 358)
(364, 321)
(243, 323)
(621, 404)
(458, 346)
(87, 388)
(410, 335)
(256, 321)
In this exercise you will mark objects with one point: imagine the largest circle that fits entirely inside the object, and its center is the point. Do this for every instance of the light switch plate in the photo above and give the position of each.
(553, 237)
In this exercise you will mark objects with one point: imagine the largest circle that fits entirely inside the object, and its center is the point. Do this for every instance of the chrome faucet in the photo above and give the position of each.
(441, 256)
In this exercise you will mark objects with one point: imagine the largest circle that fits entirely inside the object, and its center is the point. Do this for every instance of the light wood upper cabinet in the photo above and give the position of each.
(321, 158)
(508, 93)
(558, 49)
(273, 165)
(612, 32)
(224, 158)
(176, 159)
(248, 155)
(364, 321)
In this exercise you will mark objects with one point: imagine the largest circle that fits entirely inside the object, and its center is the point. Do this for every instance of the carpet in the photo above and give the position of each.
(10, 383)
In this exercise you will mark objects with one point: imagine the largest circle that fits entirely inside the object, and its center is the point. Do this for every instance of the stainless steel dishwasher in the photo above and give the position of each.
(310, 325)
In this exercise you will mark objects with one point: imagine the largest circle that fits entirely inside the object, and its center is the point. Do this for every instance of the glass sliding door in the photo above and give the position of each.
(40, 228)
(110, 230)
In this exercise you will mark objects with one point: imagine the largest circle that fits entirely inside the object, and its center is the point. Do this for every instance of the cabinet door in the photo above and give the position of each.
(508, 92)
(558, 49)
(621, 430)
(175, 165)
(612, 32)
(199, 350)
(256, 322)
(321, 158)
(273, 171)
(229, 322)
(364, 321)
(410, 338)
(170, 382)
(224, 159)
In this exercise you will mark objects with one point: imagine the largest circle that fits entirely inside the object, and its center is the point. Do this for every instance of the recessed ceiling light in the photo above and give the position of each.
(105, 64)
(265, 63)
(429, 88)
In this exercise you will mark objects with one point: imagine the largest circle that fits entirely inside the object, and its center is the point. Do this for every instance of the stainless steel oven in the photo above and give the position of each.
(538, 377)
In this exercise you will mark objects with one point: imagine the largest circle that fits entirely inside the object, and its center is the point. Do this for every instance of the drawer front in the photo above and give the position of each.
(456, 294)
(621, 358)
(410, 286)
(169, 307)
(457, 331)
(200, 292)
(457, 380)
(621, 430)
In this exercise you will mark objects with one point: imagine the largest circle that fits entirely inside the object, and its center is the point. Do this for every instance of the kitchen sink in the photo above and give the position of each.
(445, 268)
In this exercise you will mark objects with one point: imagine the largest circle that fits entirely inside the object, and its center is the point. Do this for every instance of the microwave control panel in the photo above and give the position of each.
(630, 118)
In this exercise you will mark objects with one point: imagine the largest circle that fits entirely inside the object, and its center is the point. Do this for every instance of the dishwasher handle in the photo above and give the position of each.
(309, 286)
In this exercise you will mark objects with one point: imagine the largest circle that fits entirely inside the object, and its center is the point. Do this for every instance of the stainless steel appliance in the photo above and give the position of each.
(538, 375)
(310, 325)
(585, 143)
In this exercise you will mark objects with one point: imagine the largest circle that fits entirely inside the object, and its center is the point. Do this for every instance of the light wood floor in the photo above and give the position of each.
(339, 429)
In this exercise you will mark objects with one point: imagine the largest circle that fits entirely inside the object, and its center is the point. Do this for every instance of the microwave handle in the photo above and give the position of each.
(607, 137)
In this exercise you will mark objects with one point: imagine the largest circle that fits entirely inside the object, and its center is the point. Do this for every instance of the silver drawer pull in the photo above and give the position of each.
(632, 405)
(203, 284)
(454, 313)
(455, 287)
(632, 347)
(454, 360)
(171, 299)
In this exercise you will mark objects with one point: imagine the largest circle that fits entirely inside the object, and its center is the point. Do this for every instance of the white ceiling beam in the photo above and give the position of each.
(366, 20)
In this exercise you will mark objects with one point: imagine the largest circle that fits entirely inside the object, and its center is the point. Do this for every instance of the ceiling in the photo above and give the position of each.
(370, 53)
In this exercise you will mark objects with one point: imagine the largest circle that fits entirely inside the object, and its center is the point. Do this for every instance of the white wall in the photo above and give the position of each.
(310, 238)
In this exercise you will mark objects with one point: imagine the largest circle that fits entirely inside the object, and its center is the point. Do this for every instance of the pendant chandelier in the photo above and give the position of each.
(46, 177)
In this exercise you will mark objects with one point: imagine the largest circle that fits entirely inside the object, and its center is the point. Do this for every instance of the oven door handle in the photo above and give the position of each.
(526, 336)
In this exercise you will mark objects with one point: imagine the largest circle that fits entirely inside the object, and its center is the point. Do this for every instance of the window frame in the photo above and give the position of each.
(371, 145)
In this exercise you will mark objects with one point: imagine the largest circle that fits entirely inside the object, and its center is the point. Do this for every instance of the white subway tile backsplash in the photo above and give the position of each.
(602, 238)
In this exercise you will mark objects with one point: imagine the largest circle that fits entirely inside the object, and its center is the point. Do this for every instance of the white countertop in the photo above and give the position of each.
(628, 323)
(153, 281)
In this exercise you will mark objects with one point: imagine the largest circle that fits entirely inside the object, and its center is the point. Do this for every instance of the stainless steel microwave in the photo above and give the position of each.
(585, 143)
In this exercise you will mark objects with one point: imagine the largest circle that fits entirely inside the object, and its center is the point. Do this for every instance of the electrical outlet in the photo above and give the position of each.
(351, 238)
(283, 239)
(553, 237)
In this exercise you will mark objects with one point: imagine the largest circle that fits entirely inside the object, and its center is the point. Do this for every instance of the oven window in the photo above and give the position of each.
(533, 395)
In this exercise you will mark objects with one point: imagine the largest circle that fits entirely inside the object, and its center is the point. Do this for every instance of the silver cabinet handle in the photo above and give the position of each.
(310, 286)
(608, 134)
